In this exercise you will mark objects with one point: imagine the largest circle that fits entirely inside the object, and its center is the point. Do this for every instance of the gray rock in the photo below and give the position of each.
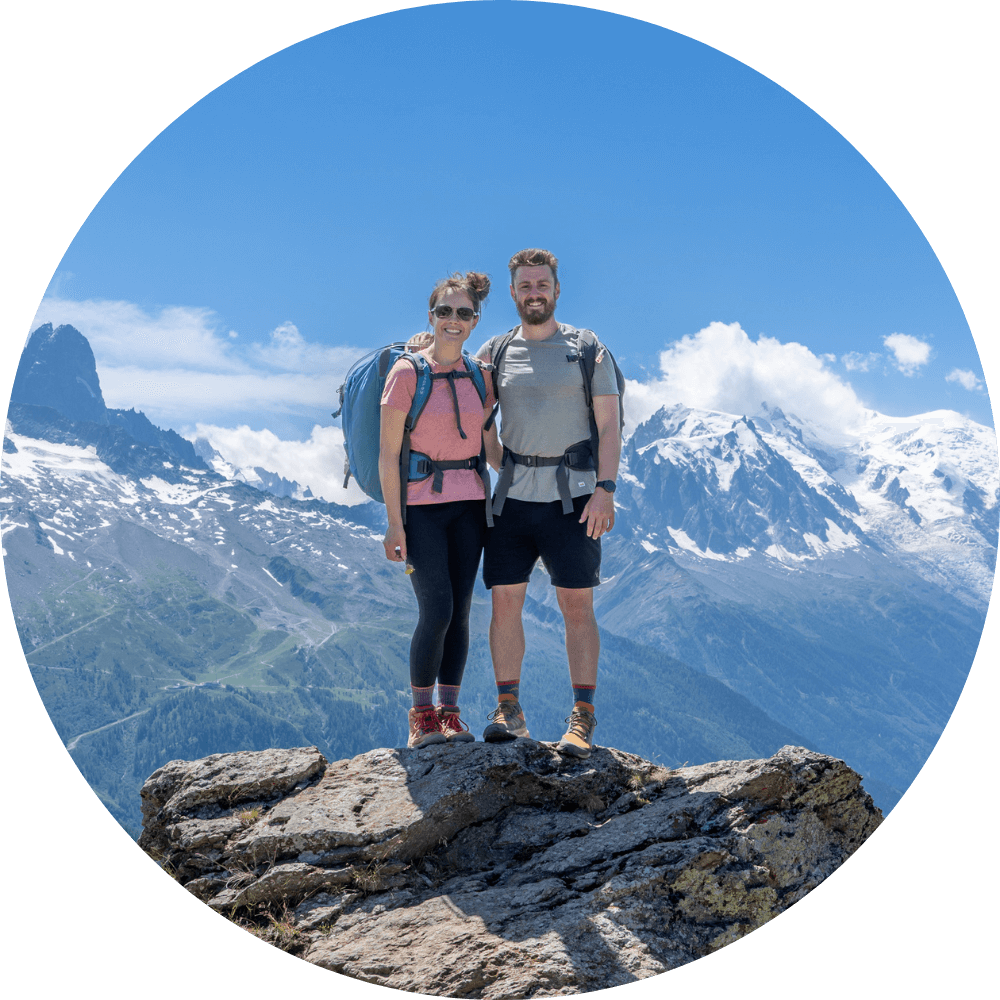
(57, 369)
(534, 874)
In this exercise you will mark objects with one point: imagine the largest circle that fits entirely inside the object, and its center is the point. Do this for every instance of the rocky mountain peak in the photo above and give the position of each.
(717, 484)
(58, 370)
(533, 874)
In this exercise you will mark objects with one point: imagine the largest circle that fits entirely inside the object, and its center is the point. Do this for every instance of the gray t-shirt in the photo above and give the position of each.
(543, 408)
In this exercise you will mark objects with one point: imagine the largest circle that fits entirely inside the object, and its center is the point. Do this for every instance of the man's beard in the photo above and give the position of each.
(536, 315)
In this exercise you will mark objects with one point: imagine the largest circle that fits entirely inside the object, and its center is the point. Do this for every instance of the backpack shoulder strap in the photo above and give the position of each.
(420, 396)
(475, 368)
(586, 353)
(499, 350)
(423, 390)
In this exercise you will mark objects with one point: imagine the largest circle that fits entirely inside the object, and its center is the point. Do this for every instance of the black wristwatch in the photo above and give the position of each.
(607, 484)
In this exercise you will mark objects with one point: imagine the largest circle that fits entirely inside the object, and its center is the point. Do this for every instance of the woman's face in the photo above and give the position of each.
(452, 330)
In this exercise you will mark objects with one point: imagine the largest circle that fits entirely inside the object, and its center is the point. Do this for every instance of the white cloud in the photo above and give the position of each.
(289, 351)
(966, 379)
(179, 363)
(176, 395)
(317, 462)
(720, 368)
(909, 353)
(855, 362)
(124, 333)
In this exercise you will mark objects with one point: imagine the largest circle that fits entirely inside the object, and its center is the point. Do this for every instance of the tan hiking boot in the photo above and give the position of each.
(507, 722)
(425, 727)
(454, 729)
(579, 738)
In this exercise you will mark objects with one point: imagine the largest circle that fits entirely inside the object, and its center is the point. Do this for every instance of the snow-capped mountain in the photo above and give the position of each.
(927, 487)
(71, 502)
(166, 611)
(715, 485)
(922, 490)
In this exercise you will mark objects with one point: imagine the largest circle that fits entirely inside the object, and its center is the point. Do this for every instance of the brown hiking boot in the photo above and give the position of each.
(425, 727)
(579, 738)
(507, 722)
(454, 729)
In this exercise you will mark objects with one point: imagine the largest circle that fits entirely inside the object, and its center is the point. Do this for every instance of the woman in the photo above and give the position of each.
(443, 535)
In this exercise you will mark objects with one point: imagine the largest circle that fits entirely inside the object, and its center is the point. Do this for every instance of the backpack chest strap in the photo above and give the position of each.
(450, 377)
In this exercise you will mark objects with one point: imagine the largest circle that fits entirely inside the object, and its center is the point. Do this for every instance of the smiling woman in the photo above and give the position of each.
(437, 514)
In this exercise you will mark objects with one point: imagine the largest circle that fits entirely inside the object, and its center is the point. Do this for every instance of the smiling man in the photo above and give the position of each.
(561, 442)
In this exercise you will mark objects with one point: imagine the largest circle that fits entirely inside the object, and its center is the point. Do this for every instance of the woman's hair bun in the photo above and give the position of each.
(475, 284)
(479, 284)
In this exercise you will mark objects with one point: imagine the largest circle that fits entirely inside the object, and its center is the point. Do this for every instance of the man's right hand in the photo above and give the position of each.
(395, 543)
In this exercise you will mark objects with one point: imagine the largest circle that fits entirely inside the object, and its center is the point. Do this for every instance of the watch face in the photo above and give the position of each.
(608, 484)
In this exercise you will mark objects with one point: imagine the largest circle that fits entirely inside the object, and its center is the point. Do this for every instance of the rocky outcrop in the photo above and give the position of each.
(496, 871)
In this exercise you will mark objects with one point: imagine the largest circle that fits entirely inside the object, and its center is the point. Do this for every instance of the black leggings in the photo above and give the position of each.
(443, 544)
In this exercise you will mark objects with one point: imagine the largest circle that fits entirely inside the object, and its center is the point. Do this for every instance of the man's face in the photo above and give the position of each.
(534, 293)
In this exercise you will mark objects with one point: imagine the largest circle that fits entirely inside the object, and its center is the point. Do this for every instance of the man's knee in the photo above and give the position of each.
(577, 606)
(508, 601)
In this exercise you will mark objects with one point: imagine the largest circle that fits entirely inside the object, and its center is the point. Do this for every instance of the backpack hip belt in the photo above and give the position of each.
(421, 466)
(577, 456)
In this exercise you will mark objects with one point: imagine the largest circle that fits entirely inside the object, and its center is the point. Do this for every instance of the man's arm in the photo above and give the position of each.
(600, 510)
(494, 450)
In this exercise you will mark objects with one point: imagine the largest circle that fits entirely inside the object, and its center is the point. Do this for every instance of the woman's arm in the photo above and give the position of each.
(390, 443)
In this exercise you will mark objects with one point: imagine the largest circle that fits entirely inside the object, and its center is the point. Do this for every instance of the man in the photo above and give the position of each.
(548, 505)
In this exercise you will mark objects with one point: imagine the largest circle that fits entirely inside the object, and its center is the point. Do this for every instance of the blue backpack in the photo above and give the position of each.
(360, 402)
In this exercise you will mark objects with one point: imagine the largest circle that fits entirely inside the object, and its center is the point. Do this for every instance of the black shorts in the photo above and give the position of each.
(528, 531)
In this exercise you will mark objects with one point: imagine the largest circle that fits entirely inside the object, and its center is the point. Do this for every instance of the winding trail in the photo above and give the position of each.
(100, 729)
(68, 634)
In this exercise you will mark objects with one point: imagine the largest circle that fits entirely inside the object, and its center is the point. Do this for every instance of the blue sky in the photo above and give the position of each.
(301, 213)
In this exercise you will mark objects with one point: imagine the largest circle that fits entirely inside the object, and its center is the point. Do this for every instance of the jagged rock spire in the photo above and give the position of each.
(57, 369)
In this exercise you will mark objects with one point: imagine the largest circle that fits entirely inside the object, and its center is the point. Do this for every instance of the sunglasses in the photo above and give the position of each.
(464, 312)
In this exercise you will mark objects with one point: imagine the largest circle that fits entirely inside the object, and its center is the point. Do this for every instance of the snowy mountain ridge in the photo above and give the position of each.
(923, 489)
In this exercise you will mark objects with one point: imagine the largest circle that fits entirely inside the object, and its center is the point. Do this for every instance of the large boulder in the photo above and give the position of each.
(479, 870)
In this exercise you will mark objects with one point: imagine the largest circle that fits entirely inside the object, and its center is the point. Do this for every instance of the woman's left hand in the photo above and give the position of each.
(395, 543)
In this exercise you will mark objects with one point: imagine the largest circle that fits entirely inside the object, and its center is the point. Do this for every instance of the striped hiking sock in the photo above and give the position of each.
(422, 696)
(508, 690)
(583, 695)
(448, 695)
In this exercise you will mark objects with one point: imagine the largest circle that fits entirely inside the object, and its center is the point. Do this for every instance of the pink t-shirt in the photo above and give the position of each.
(436, 433)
